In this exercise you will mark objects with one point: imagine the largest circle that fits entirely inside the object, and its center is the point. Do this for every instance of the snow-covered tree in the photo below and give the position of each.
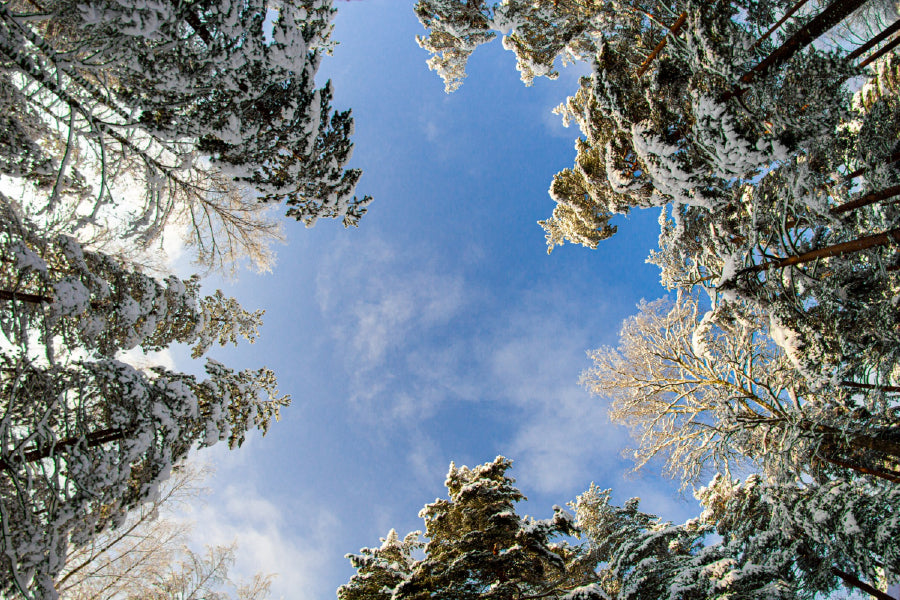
(79, 300)
(457, 29)
(86, 438)
(84, 443)
(774, 541)
(147, 557)
(478, 547)
(712, 392)
(639, 556)
(380, 571)
(205, 108)
(839, 532)
(775, 179)
(771, 541)
(541, 33)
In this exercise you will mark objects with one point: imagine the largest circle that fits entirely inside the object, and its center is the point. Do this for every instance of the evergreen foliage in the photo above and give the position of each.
(87, 438)
(90, 301)
(200, 110)
(478, 547)
(753, 541)
(84, 443)
(773, 161)
(771, 173)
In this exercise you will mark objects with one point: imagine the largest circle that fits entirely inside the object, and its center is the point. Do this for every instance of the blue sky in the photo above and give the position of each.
(439, 330)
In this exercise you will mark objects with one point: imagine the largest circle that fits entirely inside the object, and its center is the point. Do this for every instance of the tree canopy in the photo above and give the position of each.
(184, 111)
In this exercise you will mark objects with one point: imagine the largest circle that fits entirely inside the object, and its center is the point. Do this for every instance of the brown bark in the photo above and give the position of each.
(871, 386)
(890, 159)
(875, 40)
(38, 299)
(860, 585)
(672, 31)
(780, 22)
(194, 21)
(863, 243)
(23, 297)
(881, 52)
(834, 437)
(836, 12)
(861, 469)
(867, 199)
(93, 440)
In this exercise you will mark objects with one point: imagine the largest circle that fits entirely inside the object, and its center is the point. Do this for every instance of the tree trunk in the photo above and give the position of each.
(860, 585)
(835, 437)
(867, 199)
(836, 12)
(93, 439)
(860, 469)
(890, 159)
(875, 40)
(871, 386)
(881, 52)
(672, 31)
(864, 243)
(780, 22)
(23, 297)
(194, 21)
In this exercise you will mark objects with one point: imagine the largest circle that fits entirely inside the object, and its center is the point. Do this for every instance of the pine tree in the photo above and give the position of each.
(778, 195)
(380, 571)
(85, 443)
(839, 532)
(88, 301)
(644, 557)
(457, 29)
(478, 547)
(146, 556)
(86, 438)
(191, 101)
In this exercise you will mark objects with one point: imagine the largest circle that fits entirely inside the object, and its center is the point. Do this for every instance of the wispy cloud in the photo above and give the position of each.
(407, 328)
(294, 541)
(387, 310)
(536, 359)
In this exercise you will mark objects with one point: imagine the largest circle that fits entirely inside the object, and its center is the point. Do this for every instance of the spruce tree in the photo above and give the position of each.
(85, 443)
(88, 301)
(188, 101)
(478, 547)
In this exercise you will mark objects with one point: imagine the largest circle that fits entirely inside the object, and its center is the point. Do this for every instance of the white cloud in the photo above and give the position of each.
(561, 430)
(387, 307)
(431, 130)
(391, 308)
(424, 460)
(139, 359)
(555, 444)
(294, 541)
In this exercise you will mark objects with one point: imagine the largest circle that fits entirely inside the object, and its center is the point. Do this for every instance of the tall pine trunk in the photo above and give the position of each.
(836, 12)
(24, 297)
(856, 441)
(93, 440)
(871, 386)
(875, 40)
(861, 469)
(780, 22)
(855, 582)
(881, 52)
(866, 200)
(659, 47)
(863, 243)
